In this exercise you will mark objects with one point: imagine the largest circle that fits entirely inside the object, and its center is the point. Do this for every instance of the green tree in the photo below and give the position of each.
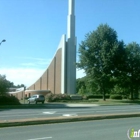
(98, 56)
(133, 68)
(80, 82)
(4, 85)
(86, 85)
(82, 90)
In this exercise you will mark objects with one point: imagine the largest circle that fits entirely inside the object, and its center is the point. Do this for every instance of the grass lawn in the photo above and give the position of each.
(101, 102)
(118, 102)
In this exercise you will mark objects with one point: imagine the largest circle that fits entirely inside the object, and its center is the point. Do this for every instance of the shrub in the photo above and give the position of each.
(116, 96)
(49, 97)
(97, 96)
(9, 100)
(57, 97)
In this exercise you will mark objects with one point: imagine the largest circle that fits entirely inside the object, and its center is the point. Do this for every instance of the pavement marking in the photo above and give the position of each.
(41, 138)
(82, 105)
(69, 115)
(112, 110)
(49, 112)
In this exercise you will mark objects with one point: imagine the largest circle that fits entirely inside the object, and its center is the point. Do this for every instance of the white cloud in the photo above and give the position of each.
(28, 76)
(34, 62)
(32, 58)
(28, 64)
(80, 73)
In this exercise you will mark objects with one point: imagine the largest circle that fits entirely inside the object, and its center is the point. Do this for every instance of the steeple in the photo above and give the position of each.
(70, 76)
(71, 7)
(71, 19)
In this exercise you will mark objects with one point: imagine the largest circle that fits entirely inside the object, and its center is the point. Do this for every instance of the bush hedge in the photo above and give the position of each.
(8, 100)
(116, 96)
(96, 96)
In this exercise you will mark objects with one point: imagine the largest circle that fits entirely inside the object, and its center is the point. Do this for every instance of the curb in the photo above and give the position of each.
(24, 122)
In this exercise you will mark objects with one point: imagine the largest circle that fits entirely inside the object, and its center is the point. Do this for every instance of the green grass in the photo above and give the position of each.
(101, 102)
(118, 102)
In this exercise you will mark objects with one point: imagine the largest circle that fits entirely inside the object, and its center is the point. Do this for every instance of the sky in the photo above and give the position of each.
(33, 28)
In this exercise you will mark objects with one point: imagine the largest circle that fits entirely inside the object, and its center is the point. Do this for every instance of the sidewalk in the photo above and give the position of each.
(70, 105)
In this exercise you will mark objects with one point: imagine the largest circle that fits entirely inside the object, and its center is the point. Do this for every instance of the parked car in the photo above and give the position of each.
(36, 98)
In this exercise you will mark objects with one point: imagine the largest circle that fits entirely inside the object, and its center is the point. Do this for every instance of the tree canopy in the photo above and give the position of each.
(108, 63)
(4, 84)
(133, 67)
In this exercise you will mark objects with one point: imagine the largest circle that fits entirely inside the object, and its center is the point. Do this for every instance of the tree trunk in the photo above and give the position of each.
(132, 97)
(102, 90)
(103, 93)
(137, 92)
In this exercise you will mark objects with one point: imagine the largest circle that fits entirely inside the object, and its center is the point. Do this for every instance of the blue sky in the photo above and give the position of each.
(33, 28)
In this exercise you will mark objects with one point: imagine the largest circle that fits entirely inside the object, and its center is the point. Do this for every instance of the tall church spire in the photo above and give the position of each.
(71, 19)
(71, 50)
(71, 7)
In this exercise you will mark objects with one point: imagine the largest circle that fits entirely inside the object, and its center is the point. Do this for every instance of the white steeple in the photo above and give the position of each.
(71, 51)
(71, 19)
(71, 7)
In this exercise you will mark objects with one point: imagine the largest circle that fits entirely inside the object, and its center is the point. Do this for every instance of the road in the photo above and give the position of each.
(113, 129)
(13, 114)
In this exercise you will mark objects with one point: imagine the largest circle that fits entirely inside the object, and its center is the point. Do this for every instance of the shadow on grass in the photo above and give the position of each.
(130, 101)
(119, 102)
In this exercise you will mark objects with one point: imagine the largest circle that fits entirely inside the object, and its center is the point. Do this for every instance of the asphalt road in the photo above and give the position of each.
(13, 114)
(114, 129)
